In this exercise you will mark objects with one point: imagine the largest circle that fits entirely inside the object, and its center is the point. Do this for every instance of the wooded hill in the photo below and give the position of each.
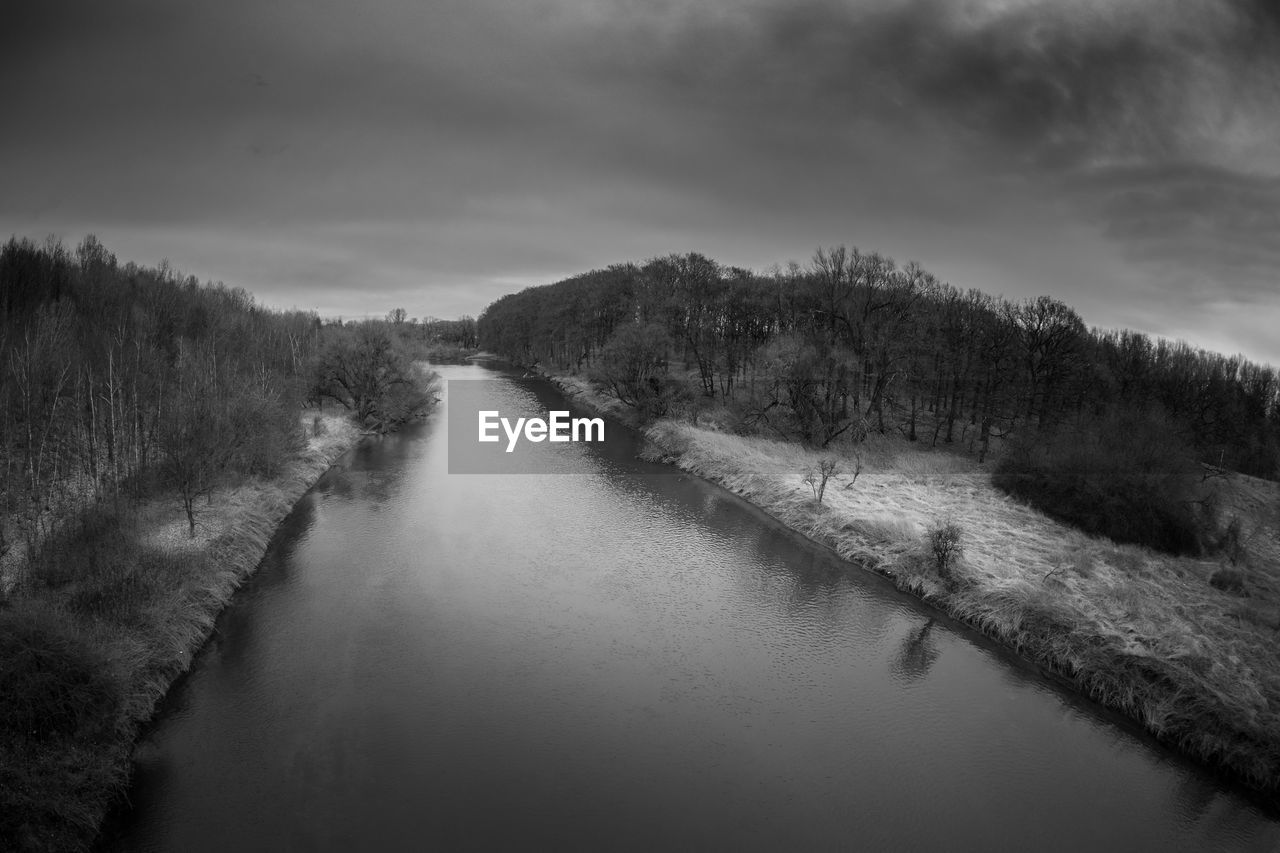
(119, 379)
(115, 376)
(854, 343)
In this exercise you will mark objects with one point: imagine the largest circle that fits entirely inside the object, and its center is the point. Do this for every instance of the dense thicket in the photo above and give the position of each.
(117, 378)
(460, 333)
(431, 339)
(854, 342)
(1126, 475)
(368, 369)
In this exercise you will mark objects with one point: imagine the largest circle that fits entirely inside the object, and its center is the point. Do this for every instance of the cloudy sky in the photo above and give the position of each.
(1121, 155)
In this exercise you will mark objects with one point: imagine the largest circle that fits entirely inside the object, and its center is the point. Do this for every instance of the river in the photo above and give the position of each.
(621, 657)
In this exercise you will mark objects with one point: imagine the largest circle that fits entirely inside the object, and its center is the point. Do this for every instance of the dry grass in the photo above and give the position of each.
(580, 389)
(138, 611)
(1142, 632)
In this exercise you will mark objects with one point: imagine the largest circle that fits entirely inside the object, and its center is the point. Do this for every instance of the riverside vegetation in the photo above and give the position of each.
(1103, 503)
(153, 431)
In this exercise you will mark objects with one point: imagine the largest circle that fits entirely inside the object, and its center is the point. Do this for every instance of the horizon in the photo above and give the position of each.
(381, 315)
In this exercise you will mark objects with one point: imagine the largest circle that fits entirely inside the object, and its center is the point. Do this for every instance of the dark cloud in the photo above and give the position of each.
(1059, 83)
(334, 155)
(1074, 99)
(1215, 230)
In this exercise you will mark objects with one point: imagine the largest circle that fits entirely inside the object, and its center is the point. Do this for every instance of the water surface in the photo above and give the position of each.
(622, 658)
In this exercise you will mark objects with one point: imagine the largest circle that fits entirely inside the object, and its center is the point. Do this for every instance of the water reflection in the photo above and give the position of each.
(916, 654)
(616, 660)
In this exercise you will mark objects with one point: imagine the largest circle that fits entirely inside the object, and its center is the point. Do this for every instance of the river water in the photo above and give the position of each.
(621, 658)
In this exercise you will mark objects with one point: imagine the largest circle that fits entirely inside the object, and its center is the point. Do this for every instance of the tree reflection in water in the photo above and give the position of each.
(917, 654)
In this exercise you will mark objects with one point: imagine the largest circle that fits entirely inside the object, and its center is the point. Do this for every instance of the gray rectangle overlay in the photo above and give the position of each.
(542, 433)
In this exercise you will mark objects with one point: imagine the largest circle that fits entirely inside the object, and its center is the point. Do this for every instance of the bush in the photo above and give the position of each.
(55, 684)
(61, 760)
(1228, 579)
(633, 366)
(264, 432)
(370, 370)
(1231, 541)
(89, 547)
(816, 478)
(445, 353)
(103, 572)
(944, 545)
(1127, 476)
(125, 594)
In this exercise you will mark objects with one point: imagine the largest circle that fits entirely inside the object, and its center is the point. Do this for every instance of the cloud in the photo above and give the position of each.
(1056, 82)
(1098, 151)
(1154, 123)
(1209, 231)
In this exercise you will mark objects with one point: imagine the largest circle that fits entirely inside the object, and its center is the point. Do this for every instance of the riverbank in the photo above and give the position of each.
(1141, 632)
(92, 654)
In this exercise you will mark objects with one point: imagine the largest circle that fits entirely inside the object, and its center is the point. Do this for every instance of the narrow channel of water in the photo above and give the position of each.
(618, 659)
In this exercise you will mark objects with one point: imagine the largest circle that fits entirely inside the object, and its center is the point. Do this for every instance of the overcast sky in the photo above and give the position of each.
(1121, 155)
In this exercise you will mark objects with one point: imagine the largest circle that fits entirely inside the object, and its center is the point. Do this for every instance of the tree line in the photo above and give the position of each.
(118, 381)
(853, 343)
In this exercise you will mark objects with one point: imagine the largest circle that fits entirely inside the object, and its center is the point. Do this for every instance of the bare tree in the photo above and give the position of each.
(366, 370)
(194, 433)
(816, 478)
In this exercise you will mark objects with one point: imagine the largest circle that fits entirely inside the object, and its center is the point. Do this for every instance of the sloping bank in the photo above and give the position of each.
(96, 652)
(1141, 632)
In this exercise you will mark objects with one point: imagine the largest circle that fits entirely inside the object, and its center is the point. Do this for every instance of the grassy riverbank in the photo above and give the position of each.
(124, 599)
(1142, 632)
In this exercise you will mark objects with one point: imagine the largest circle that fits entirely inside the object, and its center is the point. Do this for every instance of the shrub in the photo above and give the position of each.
(126, 593)
(944, 545)
(60, 759)
(1231, 541)
(633, 366)
(1127, 476)
(816, 478)
(369, 370)
(89, 547)
(103, 571)
(55, 684)
(1228, 579)
(444, 353)
(264, 432)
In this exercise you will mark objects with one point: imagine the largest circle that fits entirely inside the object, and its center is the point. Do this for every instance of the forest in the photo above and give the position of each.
(1111, 430)
(128, 392)
(118, 380)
